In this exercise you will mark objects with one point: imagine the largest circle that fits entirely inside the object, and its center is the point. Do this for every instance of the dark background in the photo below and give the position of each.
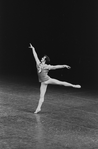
(64, 30)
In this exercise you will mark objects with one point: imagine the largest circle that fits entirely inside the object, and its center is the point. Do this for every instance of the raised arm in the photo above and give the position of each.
(58, 67)
(35, 54)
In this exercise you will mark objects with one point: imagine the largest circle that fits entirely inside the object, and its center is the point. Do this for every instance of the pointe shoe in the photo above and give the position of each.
(37, 110)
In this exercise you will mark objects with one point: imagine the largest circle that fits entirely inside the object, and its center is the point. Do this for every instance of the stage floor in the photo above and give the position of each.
(68, 120)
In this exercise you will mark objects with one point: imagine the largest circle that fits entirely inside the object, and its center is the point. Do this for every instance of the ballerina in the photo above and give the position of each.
(42, 71)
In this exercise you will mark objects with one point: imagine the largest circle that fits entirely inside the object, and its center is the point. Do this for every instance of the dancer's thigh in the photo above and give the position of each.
(54, 81)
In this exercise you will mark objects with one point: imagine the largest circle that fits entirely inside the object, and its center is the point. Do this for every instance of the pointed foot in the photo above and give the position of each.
(77, 86)
(37, 110)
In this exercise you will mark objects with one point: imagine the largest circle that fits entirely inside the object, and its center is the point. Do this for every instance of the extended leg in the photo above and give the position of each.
(57, 82)
(43, 88)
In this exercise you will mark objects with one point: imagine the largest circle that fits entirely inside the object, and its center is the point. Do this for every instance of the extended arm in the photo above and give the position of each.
(59, 66)
(35, 54)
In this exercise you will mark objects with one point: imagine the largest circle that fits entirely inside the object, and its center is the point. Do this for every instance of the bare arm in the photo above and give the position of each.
(35, 54)
(59, 66)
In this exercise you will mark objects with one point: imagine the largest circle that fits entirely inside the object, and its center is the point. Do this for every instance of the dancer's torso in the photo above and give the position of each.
(42, 71)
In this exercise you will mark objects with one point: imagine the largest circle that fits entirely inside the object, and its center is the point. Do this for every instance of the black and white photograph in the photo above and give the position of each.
(48, 74)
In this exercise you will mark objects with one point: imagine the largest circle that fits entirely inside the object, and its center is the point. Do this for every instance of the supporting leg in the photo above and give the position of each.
(43, 89)
(57, 82)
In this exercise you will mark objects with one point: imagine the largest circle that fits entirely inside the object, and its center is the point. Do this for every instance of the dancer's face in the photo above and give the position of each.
(43, 59)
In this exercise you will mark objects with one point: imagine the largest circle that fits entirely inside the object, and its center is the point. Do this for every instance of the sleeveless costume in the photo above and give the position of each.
(42, 71)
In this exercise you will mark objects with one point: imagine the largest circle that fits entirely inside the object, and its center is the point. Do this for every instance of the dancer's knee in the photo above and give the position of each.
(41, 99)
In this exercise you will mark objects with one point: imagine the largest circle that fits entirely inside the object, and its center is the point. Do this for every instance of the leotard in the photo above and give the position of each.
(42, 71)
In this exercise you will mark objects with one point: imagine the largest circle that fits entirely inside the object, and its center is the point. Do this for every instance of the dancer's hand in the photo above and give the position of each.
(31, 46)
(68, 67)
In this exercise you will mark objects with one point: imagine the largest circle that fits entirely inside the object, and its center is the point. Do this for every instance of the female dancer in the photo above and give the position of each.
(42, 70)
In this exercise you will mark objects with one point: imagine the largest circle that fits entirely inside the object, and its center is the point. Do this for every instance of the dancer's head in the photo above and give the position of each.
(45, 59)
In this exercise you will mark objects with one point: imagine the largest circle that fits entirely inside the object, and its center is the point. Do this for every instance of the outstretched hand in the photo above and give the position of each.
(31, 46)
(68, 67)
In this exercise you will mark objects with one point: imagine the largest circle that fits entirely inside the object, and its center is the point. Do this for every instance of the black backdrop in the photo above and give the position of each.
(64, 30)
